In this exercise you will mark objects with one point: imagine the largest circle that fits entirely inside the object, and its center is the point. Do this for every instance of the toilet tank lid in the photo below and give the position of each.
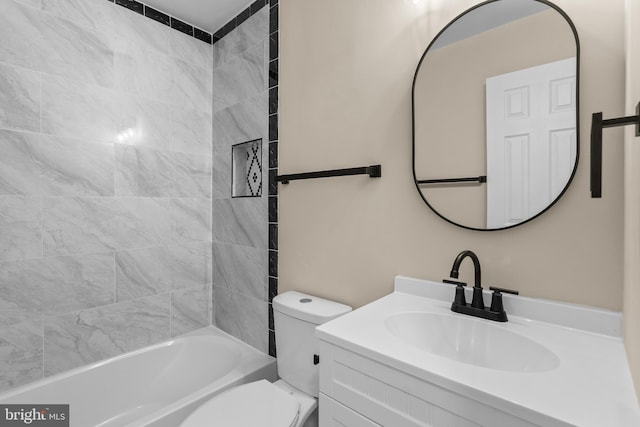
(308, 307)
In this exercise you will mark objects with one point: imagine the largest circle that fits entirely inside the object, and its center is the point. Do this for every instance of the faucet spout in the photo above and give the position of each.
(477, 308)
(476, 267)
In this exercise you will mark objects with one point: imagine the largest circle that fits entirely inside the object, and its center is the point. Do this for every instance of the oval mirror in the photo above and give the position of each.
(495, 114)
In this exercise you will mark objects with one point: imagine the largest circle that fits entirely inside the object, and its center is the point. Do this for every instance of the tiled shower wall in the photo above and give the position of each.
(240, 225)
(105, 185)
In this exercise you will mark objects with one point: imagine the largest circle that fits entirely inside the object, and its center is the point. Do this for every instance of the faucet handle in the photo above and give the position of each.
(496, 302)
(496, 298)
(503, 290)
(460, 298)
(454, 282)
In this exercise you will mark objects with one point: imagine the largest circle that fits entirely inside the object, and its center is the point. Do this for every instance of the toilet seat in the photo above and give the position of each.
(259, 403)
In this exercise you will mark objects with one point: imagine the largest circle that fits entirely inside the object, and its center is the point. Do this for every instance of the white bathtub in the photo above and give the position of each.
(155, 386)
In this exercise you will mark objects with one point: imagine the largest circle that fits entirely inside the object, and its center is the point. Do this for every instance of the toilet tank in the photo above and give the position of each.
(296, 316)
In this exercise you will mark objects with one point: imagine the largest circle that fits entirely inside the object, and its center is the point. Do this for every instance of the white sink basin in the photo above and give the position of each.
(472, 341)
(552, 364)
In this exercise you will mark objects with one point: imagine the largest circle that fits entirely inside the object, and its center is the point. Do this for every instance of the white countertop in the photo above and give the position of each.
(591, 387)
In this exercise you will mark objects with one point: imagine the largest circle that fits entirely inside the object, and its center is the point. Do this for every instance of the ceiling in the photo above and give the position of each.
(208, 15)
(487, 17)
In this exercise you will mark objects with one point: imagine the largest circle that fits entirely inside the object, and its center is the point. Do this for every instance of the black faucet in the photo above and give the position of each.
(477, 301)
(476, 308)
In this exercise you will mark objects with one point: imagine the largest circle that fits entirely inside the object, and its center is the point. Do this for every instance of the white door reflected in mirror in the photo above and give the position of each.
(531, 120)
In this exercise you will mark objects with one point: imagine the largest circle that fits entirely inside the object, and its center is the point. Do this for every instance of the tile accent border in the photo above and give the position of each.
(196, 32)
(251, 10)
(165, 19)
(273, 166)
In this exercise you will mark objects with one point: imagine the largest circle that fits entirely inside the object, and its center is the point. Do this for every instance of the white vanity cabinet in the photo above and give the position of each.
(406, 360)
(335, 414)
(356, 391)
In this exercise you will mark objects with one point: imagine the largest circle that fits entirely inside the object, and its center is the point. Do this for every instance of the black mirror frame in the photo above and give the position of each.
(413, 118)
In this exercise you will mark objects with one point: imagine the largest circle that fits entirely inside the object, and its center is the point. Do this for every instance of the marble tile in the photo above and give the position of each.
(241, 122)
(251, 32)
(191, 50)
(143, 272)
(32, 3)
(20, 354)
(243, 317)
(86, 336)
(132, 32)
(86, 112)
(42, 42)
(84, 225)
(190, 310)
(191, 265)
(31, 288)
(240, 221)
(143, 172)
(241, 77)
(190, 220)
(95, 15)
(191, 131)
(145, 74)
(20, 227)
(152, 125)
(221, 175)
(242, 269)
(19, 99)
(191, 86)
(127, 31)
(192, 175)
(97, 114)
(34, 164)
(154, 173)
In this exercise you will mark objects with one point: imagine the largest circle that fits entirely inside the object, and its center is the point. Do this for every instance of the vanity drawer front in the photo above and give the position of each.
(333, 414)
(395, 399)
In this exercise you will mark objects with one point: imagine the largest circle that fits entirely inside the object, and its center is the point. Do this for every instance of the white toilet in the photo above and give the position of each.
(289, 401)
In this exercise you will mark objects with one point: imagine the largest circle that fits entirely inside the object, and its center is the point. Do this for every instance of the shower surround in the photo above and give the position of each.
(105, 184)
(240, 231)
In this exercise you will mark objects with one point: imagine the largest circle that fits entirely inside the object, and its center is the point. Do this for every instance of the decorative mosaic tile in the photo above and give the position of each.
(246, 169)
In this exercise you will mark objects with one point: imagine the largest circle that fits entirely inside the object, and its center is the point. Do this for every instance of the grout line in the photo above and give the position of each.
(115, 280)
(184, 245)
(43, 372)
(41, 228)
(210, 304)
(170, 314)
(115, 168)
(41, 101)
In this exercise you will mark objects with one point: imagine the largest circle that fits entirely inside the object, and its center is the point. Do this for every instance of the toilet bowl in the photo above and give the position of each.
(290, 401)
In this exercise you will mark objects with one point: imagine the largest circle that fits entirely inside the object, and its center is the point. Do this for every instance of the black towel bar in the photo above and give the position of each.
(374, 171)
(479, 179)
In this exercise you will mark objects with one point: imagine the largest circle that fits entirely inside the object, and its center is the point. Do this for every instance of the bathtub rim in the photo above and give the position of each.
(253, 365)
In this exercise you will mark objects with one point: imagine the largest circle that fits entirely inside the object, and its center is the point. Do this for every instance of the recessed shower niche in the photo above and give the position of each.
(246, 169)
